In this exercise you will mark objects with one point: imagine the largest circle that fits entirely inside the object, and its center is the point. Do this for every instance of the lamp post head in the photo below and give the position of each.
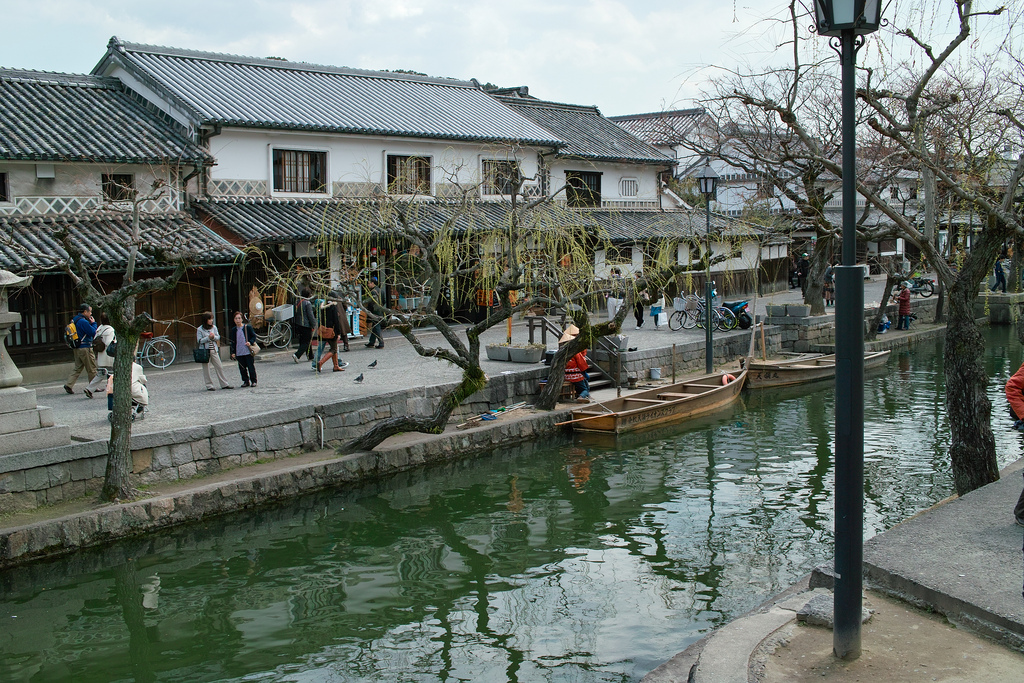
(832, 17)
(707, 181)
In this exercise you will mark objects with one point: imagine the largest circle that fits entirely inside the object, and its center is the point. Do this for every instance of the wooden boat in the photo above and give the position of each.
(809, 367)
(662, 405)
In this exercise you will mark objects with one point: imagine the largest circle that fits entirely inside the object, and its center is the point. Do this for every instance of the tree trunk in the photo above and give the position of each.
(129, 597)
(972, 449)
(117, 482)
(473, 380)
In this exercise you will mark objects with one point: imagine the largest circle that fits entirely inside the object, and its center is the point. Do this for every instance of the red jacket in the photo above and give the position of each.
(576, 368)
(904, 299)
(1015, 393)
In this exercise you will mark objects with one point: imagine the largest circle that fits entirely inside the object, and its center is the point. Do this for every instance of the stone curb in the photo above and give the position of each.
(53, 537)
(726, 654)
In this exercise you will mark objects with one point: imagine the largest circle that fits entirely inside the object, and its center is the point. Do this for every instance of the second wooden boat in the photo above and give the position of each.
(663, 405)
(809, 367)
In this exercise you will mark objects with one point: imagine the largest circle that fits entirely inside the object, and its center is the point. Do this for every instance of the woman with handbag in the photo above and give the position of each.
(104, 359)
(207, 339)
(331, 329)
(243, 349)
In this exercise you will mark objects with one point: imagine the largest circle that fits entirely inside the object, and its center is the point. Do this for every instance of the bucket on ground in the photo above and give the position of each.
(655, 373)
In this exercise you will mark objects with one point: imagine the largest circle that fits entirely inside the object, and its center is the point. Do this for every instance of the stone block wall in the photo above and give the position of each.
(44, 477)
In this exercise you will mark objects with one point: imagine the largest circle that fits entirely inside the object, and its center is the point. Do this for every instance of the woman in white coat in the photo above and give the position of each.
(104, 361)
(207, 334)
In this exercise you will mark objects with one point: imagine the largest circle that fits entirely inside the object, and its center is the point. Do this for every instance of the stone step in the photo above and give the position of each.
(17, 398)
(25, 420)
(35, 439)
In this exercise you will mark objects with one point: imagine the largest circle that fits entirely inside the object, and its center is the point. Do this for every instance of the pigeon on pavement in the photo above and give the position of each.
(359, 379)
(372, 365)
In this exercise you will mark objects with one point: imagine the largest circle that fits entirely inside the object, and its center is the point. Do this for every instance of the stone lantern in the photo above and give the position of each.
(24, 425)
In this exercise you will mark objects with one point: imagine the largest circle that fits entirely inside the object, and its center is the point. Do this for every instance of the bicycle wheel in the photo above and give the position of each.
(725, 320)
(280, 334)
(676, 320)
(927, 289)
(690, 319)
(160, 353)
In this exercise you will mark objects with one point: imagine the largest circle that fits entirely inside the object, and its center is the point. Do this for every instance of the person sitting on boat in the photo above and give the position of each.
(576, 368)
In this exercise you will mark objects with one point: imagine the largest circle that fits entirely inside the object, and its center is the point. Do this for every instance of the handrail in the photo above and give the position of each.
(612, 349)
(538, 321)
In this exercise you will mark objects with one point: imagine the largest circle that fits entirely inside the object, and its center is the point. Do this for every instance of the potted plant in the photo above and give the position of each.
(497, 351)
(526, 353)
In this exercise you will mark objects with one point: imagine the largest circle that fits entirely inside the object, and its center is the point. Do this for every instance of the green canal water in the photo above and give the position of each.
(556, 561)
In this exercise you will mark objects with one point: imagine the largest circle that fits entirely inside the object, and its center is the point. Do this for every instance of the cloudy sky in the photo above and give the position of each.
(624, 56)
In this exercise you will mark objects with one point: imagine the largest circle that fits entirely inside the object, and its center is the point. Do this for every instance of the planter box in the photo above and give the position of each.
(497, 353)
(798, 310)
(776, 311)
(527, 355)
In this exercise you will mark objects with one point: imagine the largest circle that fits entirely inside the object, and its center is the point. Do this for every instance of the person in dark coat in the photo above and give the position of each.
(242, 340)
(304, 324)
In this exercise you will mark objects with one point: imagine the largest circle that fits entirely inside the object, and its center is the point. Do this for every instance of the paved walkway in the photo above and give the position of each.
(178, 396)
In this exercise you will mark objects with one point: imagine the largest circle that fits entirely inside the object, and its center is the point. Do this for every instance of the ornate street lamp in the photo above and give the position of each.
(707, 182)
(850, 21)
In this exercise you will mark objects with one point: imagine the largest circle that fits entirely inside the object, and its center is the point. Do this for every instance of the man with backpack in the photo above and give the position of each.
(79, 335)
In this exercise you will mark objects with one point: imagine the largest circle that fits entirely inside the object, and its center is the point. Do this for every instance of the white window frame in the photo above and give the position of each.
(328, 184)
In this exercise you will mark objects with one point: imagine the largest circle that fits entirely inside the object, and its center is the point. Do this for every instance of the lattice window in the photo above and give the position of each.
(298, 171)
(629, 187)
(408, 174)
(118, 187)
(500, 176)
(582, 188)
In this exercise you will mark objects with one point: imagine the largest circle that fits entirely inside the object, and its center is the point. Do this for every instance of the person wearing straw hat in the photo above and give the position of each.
(576, 368)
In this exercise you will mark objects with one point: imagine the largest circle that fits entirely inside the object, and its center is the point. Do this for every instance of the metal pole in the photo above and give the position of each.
(849, 506)
(709, 364)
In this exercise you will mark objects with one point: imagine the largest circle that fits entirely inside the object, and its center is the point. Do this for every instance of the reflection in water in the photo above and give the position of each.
(583, 561)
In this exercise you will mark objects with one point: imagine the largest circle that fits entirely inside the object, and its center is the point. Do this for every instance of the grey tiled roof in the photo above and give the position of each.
(256, 221)
(586, 132)
(70, 117)
(661, 127)
(31, 242)
(271, 93)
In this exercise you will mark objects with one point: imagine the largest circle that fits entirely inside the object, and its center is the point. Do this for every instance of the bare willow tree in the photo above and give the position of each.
(933, 113)
(515, 254)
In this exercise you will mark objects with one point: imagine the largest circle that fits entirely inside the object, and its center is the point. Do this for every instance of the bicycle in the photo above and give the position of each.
(159, 352)
(279, 334)
(692, 315)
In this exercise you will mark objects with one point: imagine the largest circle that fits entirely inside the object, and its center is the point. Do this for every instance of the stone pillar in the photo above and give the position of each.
(24, 425)
(10, 376)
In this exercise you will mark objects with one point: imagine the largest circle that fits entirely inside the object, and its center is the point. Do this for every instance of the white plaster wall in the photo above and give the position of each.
(244, 154)
(76, 180)
(611, 174)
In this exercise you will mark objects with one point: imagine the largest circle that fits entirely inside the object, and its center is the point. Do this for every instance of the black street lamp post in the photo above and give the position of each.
(849, 20)
(707, 182)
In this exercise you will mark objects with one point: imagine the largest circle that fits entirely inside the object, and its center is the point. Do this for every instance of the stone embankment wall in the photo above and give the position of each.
(110, 522)
(36, 478)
